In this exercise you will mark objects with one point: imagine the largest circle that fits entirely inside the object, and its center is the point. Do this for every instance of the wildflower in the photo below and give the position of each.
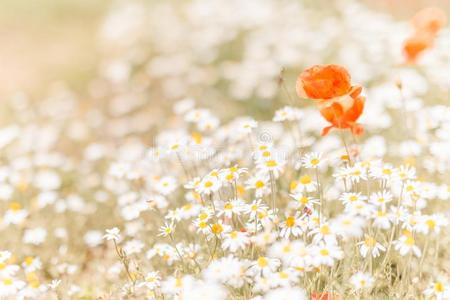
(349, 226)
(283, 250)
(383, 172)
(352, 198)
(232, 174)
(264, 266)
(285, 277)
(292, 226)
(323, 232)
(303, 200)
(287, 113)
(430, 19)
(405, 244)
(166, 185)
(31, 264)
(54, 284)
(362, 281)
(381, 198)
(235, 240)
(133, 247)
(312, 160)
(370, 245)
(304, 184)
(218, 229)
(166, 230)
(321, 82)
(260, 183)
(227, 269)
(35, 236)
(15, 214)
(255, 208)
(152, 280)
(339, 102)
(426, 23)
(438, 290)
(10, 286)
(273, 165)
(326, 254)
(112, 234)
(235, 206)
(208, 185)
(431, 223)
(382, 219)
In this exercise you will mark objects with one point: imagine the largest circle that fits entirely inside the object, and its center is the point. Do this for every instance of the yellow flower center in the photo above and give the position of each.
(178, 282)
(439, 287)
(28, 260)
(262, 215)
(187, 206)
(344, 157)
(217, 228)
(370, 242)
(197, 137)
(314, 161)
(203, 216)
(324, 252)
(305, 180)
(431, 223)
(353, 198)
(387, 171)
(259, 184)
(228, 206)
(290, 221)
(7, 281)
(35, 284)
(304, 200)
(208, 184)
(356, 173)
(283, 275)
(233, 235)
(15, 206)
(287, 249)
(410, 241)
(262, 262)
(271, 163)
(325, 229)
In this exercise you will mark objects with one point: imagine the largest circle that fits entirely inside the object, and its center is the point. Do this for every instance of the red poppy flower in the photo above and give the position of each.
(415, 45)
(339, 102)
(430, 19)
(427, 24)
(343, 119)
(323, 82)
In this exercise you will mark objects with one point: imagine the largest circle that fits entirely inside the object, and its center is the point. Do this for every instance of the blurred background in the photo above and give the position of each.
(44, 41)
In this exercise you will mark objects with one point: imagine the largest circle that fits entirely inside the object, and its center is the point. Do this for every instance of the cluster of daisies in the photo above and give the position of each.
(142, 193)
(264, 217)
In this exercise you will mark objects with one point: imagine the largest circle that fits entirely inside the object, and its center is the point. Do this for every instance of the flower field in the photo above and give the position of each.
(213, 149)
